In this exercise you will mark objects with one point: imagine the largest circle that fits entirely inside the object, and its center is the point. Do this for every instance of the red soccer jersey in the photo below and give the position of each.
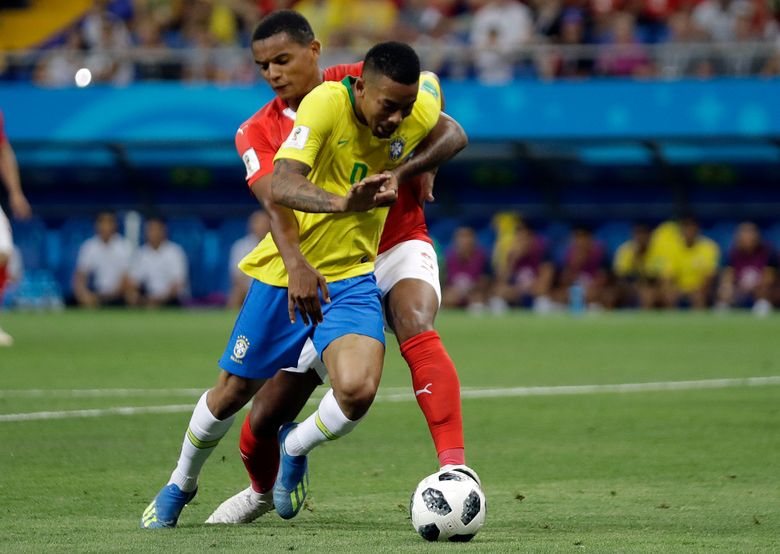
(260, 136)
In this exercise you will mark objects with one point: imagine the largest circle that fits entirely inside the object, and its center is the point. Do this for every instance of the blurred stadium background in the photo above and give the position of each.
(625, 431)
(595, 113)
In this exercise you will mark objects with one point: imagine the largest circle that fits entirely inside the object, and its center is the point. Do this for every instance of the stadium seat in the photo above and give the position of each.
(772, 235)
(30, 239)
(723, 234)
(229, 232)
(71, 236)
(189, 233)
(612, 235)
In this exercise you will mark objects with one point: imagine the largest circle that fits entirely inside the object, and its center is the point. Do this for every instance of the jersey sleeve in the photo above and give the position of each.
(338, 72)
(256, 152)
(427, 108)
(317, 116)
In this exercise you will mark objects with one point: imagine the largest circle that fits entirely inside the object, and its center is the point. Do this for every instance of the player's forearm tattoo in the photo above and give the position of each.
(445, 140)
(291, 188)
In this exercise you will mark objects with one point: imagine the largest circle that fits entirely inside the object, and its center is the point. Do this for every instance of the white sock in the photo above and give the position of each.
(326, 424)
(200, 440)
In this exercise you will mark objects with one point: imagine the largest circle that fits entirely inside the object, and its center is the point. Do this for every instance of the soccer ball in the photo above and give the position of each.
(448, 505)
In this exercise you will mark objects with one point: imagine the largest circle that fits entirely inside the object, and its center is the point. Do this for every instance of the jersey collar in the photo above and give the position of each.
(347, 82)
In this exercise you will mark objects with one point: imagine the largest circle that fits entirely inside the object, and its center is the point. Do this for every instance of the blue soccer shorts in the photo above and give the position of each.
(264, 341)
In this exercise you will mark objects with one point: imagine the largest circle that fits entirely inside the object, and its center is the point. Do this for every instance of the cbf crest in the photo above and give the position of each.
(240, 349)
(397, 148)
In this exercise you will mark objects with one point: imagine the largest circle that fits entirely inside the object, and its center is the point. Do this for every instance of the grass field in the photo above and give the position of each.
(649, 471)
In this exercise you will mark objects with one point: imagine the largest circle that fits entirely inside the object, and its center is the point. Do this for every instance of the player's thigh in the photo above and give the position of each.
(351, 336)
(355, 365)
(263, 339)
(6, 238)
(410, 308)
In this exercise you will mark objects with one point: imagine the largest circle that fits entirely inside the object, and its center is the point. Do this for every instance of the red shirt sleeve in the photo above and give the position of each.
(338, 72)
(254, 146)
(2, 130)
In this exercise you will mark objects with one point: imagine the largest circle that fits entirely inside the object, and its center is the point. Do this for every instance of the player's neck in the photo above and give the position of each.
(294, 104)
(357, 105)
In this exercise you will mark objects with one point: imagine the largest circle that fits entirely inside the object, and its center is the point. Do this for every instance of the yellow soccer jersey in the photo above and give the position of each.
(341, 151)
(694, 265)
(627, 264)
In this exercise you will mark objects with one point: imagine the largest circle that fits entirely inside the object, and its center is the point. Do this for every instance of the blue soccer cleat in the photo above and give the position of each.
(166, 507)
(292, 481)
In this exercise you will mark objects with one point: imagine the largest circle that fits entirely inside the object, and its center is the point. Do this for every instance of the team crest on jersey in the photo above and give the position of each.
(397, 148)
(240, 349)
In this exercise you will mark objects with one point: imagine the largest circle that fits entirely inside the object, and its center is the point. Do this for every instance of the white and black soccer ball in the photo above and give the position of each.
(448, 505)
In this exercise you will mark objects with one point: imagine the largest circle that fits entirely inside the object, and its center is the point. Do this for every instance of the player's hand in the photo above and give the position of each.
(19, 206)
(371, 192)
(426, 187)
(304, 284)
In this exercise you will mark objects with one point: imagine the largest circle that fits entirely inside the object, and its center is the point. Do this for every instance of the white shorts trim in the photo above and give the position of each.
(6, 238)
(309, 359)
(411, 259)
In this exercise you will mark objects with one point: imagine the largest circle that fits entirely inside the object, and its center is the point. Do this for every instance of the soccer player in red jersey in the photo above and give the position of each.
(406, 268)
(20, 208)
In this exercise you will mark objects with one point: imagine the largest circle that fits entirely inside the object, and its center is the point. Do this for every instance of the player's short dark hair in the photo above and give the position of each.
(290, 22)
(395, 60)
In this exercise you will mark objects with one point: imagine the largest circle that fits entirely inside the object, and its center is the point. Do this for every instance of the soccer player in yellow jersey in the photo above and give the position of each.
(349, 132)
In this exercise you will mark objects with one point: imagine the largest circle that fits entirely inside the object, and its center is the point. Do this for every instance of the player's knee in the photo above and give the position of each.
(264, 421)
(355, 396)
(411, 321)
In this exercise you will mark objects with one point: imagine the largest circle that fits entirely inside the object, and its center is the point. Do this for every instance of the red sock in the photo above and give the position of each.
(3, 279)
(437, 390)
(260, 456)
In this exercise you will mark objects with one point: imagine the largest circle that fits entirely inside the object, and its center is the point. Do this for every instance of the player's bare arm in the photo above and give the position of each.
(290, 187)
(9, 174)
(304, 281)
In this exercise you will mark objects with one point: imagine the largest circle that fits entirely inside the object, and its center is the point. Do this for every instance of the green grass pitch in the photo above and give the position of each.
(652, 471)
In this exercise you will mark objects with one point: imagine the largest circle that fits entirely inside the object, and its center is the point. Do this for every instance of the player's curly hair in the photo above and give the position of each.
(284, 21)
(395, 60)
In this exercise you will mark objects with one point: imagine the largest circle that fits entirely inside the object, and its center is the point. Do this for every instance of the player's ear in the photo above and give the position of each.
(316, 48)
(360, 87)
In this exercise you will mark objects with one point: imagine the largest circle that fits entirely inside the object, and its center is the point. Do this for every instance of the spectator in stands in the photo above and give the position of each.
(748, 279)
(636, 280)
(158, 276)
(101, 269)
(625, 56)
(498, 28)
(690, 267)
(258, 227)
(467, 272)
(584, 265)
(528, 274)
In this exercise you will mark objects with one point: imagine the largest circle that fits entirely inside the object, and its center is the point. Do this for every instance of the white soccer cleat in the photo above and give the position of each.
(466, 470)
(5, 338)
(244, 507)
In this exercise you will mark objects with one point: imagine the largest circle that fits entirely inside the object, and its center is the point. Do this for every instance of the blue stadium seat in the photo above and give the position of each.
(723, 234)
(442, 228)
(612, 235)
(229, 232)
(72, 235)
(189, 233)
(772, 234)
(557, 235)
(30, 239)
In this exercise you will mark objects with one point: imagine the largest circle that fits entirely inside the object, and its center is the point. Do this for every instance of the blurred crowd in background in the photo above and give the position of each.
(494, 41)
(502, 265)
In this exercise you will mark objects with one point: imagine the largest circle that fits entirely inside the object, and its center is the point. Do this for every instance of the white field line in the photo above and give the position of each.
(389, 396)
